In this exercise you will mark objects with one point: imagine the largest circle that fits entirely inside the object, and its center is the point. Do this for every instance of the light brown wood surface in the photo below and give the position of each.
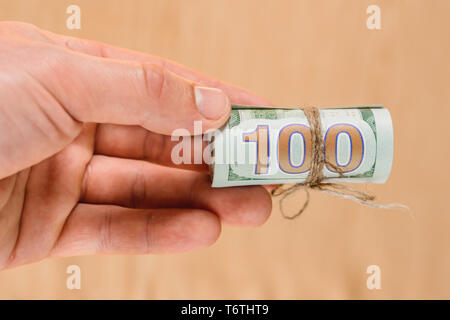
(295, 52)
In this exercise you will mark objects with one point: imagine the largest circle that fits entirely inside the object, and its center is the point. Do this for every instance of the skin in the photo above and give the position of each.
(85, 163)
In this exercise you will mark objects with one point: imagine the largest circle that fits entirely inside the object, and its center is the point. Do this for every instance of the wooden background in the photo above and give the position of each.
(312, 52)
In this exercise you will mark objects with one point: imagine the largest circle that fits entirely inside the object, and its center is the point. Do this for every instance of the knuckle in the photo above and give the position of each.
(153, 78)
(149, 235)
(139, 190)
(154, 147)
(13, 25)
(86, 181)
(105, 239)
(23, 29)
(199, 184)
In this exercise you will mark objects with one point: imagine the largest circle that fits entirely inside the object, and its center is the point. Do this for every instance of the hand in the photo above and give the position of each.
(85, 163)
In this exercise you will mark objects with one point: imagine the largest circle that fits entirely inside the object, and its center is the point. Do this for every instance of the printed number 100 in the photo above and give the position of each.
(260, 136)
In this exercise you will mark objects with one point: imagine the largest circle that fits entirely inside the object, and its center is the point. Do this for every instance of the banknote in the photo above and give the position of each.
(262, 145)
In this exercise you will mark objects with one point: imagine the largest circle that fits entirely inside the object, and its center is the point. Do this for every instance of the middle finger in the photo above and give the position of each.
(139, 184)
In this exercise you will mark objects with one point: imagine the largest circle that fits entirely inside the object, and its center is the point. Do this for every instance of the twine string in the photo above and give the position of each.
(315, 178)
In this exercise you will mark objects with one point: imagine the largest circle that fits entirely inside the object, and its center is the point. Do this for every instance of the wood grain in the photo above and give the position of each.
(312, 52)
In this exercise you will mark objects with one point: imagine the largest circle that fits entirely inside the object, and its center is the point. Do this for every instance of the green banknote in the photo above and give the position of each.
(261, 145)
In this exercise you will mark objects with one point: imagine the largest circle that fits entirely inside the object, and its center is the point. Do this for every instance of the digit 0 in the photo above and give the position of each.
(331, 147)
(284, 148)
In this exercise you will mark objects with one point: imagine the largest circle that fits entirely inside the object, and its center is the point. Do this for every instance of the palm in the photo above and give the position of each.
(37, 201)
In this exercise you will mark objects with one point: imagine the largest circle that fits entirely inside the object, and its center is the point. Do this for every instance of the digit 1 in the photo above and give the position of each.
(261, 137)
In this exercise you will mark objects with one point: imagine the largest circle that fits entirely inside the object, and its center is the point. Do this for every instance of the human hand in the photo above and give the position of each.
(85, 163)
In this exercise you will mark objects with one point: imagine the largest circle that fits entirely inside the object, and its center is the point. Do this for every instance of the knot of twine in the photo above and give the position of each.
(315, 177)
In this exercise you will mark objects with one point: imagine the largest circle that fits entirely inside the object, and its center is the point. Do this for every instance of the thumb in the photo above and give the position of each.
(132, 93)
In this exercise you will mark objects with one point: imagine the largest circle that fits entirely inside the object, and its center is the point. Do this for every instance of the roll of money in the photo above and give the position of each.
(261, 145)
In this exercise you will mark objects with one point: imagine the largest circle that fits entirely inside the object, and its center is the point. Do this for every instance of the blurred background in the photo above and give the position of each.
(299, 52)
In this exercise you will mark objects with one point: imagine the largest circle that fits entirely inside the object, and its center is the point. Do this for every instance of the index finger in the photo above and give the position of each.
(98, 49)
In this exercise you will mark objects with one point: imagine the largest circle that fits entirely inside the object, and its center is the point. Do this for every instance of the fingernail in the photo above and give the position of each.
(212, 103)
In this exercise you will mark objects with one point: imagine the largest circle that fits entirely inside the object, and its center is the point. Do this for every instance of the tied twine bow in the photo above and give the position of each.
(315, 178)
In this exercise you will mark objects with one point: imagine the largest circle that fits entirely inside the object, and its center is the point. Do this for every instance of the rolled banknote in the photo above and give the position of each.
(260, 145)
